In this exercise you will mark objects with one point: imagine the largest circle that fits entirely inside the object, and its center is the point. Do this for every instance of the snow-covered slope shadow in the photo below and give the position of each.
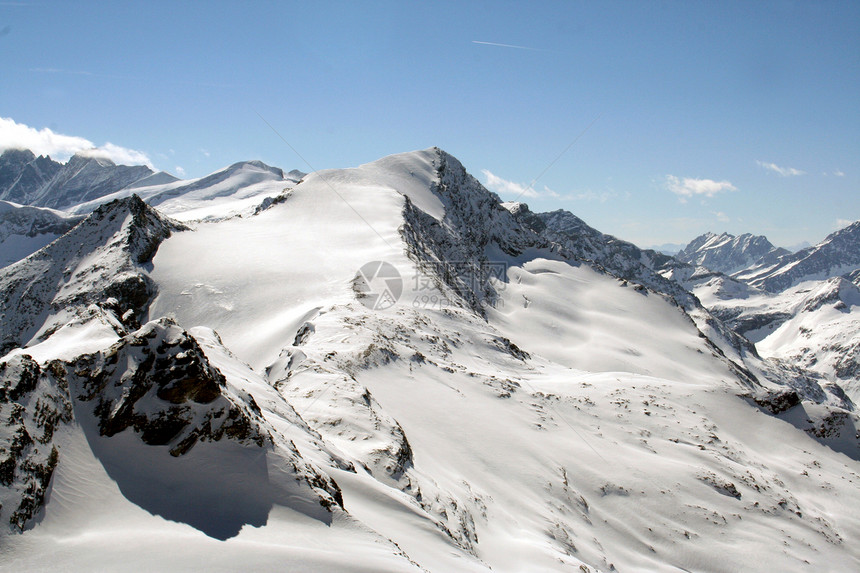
(217, 489)
(179, 441)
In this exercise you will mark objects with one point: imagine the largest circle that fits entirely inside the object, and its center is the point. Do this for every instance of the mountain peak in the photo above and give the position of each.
(18, 155)
(727, 253)
(91, 155)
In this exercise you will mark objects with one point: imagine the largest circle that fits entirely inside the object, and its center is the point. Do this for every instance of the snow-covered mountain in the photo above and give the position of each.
(837, 254)
(100, 264)
(385, 369)
(232, 191)
(727, 253)
(43, 182)
(800, 309)
(814, 325)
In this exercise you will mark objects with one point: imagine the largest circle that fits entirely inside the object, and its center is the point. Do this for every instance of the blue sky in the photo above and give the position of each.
(683, 117)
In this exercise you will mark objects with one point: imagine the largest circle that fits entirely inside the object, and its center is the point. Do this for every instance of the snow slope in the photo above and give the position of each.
(822, 332)
(516, 409)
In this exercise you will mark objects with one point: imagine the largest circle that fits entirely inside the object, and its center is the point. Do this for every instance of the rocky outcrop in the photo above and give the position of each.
(158, 383)
(34, 404)
(152, 397)
(620, 258)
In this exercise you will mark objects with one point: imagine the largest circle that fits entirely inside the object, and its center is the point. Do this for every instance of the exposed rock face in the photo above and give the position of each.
(622, 259)
(158, 383)
(778, 402)
(23, 175)
(744, 323)
(454, 249)
(155, 396)
(34, 404)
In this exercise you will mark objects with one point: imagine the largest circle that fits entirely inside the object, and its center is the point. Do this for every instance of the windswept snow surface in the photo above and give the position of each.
(582, 423)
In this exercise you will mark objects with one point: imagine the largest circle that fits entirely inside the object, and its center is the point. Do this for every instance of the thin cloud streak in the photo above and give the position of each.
(507, 46)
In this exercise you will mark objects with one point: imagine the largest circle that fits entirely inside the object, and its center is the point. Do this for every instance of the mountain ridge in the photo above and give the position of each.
(837, 254)
(531, 383)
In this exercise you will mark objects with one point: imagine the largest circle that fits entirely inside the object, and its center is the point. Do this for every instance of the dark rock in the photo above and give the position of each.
(777, 402)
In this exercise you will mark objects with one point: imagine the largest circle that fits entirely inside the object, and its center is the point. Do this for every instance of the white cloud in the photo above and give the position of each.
(782, 171)
(842, 223)
(512, 191)
(117, 154)
(688, 187)
(14, 135)
(179, 171)
(721, 217)
(839, 173)
(508, 189)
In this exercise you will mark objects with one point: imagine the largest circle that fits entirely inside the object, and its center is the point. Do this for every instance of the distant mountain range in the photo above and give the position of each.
(25, 229)
(801, 307)
(836, 255)
(727, 253)
(43, 182)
